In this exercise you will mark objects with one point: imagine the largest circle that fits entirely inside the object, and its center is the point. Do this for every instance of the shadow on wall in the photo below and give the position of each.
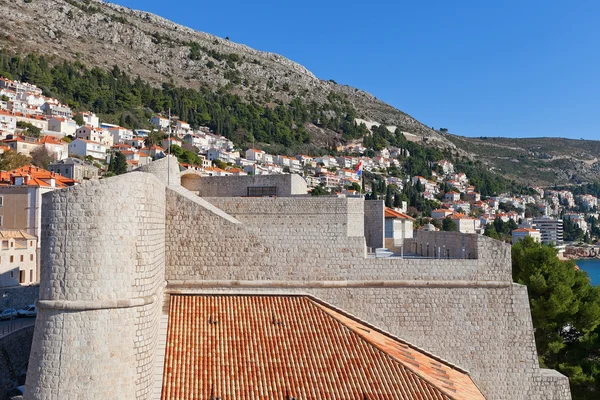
(9, 278)
(14, 357)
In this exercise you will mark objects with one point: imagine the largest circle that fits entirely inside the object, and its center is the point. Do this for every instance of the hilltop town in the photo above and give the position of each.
(68, 148)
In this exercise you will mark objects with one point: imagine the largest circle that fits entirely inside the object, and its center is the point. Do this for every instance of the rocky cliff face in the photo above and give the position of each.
(102, 34)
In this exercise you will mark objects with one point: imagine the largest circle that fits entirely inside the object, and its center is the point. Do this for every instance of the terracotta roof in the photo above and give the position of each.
(38, 177)
(526, 230)
(15, 234)
(390, 213)
(277, 347)
(51, 140)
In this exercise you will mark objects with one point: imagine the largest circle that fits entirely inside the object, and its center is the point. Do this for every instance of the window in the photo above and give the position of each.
(12, 259)
(30, 275)
(30, 243)
(12, 274)
(21, 276)
(31, 257)
(21, 257)
(262, 191)
(12, 244)
(1, 221)
(1, 201)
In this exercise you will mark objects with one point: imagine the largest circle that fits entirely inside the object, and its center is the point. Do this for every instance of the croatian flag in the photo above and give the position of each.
(359, 168)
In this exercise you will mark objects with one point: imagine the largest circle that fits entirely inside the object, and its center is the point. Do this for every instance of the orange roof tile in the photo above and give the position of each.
(390, 213)
(38, 177)
(276, 347)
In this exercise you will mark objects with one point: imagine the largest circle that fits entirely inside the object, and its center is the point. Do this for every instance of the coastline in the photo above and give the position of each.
(581, 253)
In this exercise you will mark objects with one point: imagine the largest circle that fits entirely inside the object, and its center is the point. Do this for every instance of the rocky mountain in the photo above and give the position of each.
(536, 161)
(103, 35)
(143, 44)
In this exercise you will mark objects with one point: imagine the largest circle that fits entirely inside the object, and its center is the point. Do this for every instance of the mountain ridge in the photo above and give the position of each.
(159, 50)
(143, 44)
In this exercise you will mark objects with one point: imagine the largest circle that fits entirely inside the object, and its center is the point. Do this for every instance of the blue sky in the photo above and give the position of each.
(479, 68)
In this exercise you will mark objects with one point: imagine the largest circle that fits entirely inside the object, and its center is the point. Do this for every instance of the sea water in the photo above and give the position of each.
(592, 267)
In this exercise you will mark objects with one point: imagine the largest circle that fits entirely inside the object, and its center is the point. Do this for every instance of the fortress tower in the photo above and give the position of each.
(115, 251)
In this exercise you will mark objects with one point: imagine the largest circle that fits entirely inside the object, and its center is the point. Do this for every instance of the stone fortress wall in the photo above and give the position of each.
(237, 186)
(101, 290)
(467, 311)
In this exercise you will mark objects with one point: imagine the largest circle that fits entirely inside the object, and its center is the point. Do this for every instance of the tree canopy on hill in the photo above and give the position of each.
(129, 101)
(565, 309)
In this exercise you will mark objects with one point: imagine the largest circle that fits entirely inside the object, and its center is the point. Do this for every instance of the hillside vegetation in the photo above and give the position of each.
(536, 161)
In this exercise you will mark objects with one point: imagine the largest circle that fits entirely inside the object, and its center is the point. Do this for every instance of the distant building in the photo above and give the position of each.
(452, 196)
(8, 122)
(159, 122)
(74, 168)
(21, 197)
(21, 144)
(398, 227)
(18, 258)
(84, 148)
(62, 126)
(56, 110)
(551, 230)
(91, 119)
(55, 146)
(521, 233)
(120, 134)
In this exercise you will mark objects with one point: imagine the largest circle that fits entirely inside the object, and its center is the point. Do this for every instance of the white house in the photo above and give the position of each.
(398, 227)
(120, 134)
(182, 127)
(255, 155)
(452, 196)
(90, 119)
(64, 126)
(8, 122)
(464, 223)
(88, 132)
(521, 233)
(159, 122)
(84, 148)
(441, 213)
(55, 146)
(173, 141)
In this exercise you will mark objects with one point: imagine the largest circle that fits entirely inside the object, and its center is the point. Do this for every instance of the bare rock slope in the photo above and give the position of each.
(103, 34)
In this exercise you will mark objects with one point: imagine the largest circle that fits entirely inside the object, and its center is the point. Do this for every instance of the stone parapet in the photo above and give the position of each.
(285, 185)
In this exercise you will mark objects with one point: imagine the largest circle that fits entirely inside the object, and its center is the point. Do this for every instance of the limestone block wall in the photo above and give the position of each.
(14, 355)
(20, 296)
(493, 256)
(101, 290)
(291, 239)
(237, 186)
(320, 218)
(374, 223)
(165, 169)
(444, 245)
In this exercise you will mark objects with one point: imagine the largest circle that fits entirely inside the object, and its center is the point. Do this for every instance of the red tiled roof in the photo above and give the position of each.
(277, 347)
(390, 213)
(38, 177)
(51, 140)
